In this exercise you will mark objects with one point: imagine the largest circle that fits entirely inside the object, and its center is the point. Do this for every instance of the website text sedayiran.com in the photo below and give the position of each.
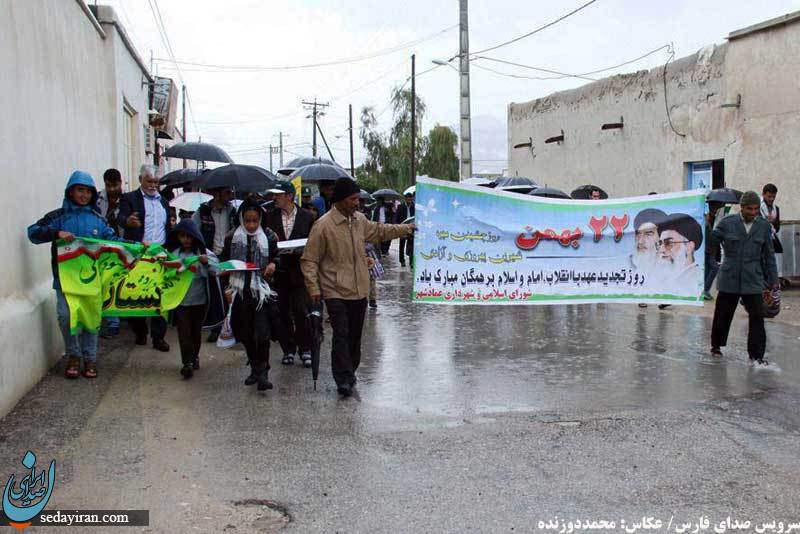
(119, 518)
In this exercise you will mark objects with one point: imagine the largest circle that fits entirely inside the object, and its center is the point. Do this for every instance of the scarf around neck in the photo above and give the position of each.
(259, 288)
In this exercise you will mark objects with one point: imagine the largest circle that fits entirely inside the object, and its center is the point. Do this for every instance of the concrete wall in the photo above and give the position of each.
(129, 93)
(758, 140)
(60, 113)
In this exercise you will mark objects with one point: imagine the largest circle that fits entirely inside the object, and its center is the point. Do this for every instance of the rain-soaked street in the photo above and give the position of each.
(465, 419)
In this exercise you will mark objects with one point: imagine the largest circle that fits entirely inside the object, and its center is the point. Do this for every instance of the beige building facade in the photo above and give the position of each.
(733, 120)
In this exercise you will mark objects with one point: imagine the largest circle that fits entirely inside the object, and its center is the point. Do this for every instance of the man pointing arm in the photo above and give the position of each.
(335, 269)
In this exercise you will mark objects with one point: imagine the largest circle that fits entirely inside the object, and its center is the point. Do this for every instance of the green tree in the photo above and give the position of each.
(388, 161)
(440, 160)
(399, 157)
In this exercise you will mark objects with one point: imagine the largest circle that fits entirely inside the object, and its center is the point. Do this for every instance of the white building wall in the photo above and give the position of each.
(130, 93)
(59, 113)
(758, 140)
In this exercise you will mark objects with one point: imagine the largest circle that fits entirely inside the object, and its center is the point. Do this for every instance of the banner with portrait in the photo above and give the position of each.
(476, 245)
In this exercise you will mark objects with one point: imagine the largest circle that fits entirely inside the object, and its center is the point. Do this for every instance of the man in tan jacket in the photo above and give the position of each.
(334, 265)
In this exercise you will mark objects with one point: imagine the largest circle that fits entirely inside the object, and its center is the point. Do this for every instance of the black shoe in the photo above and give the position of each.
(345, 391)
(141, 339)
(212, 337)
(263, 383)
(373, 303)
(186, 371)
(161, 345)
(664, 306)
(196, 364)
(250, 380)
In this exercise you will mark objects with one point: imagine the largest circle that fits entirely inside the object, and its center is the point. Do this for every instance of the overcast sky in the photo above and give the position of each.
(244, 111)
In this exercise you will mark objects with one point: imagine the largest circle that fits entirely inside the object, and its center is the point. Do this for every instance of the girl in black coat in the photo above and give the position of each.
(250, 292)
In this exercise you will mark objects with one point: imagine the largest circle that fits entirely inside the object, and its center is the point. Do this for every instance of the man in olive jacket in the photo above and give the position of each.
(748, 269)
(334, 265)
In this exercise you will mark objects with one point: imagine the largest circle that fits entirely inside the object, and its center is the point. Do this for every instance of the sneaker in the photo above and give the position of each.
(288, 359)
(761, 364)
(187, 371)
(715, 352)
(306, 357)
(373, 303)
(707, 296)
(663, 306)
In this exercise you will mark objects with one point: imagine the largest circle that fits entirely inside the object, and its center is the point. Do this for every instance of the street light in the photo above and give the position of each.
(443, 63)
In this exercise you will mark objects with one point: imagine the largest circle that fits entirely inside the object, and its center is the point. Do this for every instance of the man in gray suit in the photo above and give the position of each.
(748, 269)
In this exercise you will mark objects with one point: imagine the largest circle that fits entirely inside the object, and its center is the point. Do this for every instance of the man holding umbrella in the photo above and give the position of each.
(335, 269)
(290, 222)
(384, 213)
(144, 215)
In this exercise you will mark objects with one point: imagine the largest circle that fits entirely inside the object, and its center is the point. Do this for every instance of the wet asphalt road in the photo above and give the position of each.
(465, 420)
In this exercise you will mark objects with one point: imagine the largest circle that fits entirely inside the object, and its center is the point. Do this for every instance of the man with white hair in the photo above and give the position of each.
(144, 216)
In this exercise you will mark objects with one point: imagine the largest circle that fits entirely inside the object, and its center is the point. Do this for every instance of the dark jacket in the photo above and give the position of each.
(205, 222)
(748, 264)
(215, 303)
(134, 202)
(389, 214)
(290, 274)
(403, 213)
(81, 221)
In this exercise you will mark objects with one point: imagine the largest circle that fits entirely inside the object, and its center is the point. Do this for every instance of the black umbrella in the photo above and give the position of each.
(302, 161)
(181, 177)
(515, 181)
(198, 152)
(317, 335)
(548, 192)
(584, 192)
(387, 194)
(319, 172)
(365, 196)
(242, 178)
(724, 195)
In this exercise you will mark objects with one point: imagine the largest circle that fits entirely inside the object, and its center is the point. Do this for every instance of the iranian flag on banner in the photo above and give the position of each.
(114, 279)
(234, 265)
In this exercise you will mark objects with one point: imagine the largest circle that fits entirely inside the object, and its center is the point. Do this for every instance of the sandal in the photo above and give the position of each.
(90, 370)
(73, 369)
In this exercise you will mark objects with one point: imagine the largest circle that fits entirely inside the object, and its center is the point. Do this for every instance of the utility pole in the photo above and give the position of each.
(413, 120)
(326, 143)
(314, 114)
(352, 166)
(280, 145)
(463, 74)
(183, 116)
(270, 158)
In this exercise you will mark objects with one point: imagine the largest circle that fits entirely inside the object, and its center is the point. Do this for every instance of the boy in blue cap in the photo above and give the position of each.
(77, 217)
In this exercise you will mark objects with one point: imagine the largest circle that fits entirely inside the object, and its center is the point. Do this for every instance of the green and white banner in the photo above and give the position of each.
(113, 279)
(475, 245)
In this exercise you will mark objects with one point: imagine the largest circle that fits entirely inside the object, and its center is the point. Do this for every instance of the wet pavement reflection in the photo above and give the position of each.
(470, 360)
